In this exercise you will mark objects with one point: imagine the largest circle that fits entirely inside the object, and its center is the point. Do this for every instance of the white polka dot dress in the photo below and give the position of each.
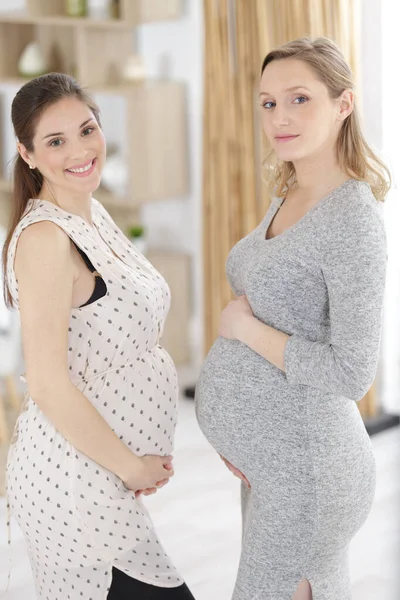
(78, 519)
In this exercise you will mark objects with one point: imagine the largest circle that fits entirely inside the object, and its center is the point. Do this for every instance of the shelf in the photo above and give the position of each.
(133, 12)
(94, 52)
(23, 17)
(58, 45)
(101, 194)
(112, 89)
(67, 50)
(158, 154)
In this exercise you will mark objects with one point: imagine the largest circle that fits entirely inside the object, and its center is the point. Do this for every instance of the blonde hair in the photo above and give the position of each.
(355, 157)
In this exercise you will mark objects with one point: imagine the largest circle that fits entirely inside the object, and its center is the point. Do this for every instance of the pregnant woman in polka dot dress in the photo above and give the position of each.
(97, 426)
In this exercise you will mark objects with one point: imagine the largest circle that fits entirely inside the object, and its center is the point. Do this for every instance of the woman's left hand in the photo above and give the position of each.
(236, 472)
(150, 491)
(232, 315)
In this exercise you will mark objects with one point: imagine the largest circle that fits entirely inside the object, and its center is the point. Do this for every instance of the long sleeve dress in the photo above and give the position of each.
(297, 434)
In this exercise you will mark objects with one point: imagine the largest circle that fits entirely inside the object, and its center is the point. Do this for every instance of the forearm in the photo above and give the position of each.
(316, 364)
(263, 339)
(78, 421)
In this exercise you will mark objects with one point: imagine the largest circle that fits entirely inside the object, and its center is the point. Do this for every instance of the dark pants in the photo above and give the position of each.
(124, 587)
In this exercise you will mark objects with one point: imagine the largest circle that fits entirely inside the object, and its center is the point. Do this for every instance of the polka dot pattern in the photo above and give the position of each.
(78, 519)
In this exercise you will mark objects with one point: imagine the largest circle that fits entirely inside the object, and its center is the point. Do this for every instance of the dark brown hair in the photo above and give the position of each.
(354, 154)
(28, 106)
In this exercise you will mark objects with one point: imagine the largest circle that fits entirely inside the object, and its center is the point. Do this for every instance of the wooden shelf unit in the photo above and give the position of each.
(157, 160)
(132, 12)
(93, 51)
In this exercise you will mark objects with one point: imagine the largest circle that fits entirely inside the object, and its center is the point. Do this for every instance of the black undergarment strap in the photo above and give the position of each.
(85, 258)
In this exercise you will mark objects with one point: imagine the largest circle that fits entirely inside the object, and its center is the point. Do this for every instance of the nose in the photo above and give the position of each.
(280, 117)
(78, 149)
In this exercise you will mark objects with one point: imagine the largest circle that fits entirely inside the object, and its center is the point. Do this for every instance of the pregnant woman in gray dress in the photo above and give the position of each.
(298, 347)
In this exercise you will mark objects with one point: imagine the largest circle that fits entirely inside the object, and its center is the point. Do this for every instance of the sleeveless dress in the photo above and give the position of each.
(297, 435)
(77, 517)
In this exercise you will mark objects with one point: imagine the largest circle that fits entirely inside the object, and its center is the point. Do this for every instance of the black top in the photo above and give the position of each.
(100, 288)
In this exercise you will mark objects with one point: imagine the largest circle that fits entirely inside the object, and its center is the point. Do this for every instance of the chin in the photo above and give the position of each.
(88, 186)
(291, 156)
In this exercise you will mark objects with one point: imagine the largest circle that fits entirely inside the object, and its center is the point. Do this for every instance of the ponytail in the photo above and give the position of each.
(27, 184)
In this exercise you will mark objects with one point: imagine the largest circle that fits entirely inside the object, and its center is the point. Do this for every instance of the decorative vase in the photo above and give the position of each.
(115, 9)
(133, 69)
(76, 8)
(32, 63)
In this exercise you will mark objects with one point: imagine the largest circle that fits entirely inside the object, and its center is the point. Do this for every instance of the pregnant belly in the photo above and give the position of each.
(140, 403)
(243, 401)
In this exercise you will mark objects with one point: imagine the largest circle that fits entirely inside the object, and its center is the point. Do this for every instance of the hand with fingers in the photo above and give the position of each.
(236, 472)
(148, 474)
(153, 490)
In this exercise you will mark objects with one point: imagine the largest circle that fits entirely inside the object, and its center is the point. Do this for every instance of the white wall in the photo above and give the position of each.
(371, 70)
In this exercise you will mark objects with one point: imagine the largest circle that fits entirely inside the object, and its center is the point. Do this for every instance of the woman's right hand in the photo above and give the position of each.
(236, 472)
(148, 471)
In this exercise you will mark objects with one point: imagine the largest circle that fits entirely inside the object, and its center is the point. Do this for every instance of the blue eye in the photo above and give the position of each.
(265, 105)
(304, 98)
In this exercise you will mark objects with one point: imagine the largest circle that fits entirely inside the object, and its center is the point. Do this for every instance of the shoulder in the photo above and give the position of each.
(46, 234)
(37, 212)
(351, 211)
(42, 244)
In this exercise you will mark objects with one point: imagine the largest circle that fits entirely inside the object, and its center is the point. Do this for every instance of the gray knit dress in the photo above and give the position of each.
(297, 434)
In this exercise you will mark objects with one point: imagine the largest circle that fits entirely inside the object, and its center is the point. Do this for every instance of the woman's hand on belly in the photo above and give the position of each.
(236, 472)
(235, 311)
(153, 490)
(149, 472)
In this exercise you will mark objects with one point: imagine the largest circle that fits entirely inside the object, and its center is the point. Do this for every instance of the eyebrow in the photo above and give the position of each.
(291, 89)
(61, 133)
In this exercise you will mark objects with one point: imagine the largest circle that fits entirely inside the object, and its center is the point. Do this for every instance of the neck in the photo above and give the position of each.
(77, 204)
(320, 172)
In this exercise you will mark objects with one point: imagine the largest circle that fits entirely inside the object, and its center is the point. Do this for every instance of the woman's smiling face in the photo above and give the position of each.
(69, 147)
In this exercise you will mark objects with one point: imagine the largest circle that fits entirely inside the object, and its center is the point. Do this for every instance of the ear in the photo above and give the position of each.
(25, 155)
(346, 104)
